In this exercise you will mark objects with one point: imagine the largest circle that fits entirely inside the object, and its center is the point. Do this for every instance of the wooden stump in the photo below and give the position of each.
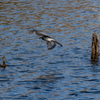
(95, 47)
(4, 63)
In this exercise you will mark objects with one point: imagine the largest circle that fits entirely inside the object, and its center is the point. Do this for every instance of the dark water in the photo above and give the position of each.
(35, 73)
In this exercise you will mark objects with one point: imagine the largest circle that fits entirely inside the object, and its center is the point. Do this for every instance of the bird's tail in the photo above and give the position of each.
(59, 43)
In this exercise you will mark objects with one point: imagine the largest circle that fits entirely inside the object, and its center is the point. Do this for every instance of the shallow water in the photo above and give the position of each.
(35, 73)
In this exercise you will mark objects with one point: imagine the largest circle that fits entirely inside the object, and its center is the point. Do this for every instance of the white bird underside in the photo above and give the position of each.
(49, 39)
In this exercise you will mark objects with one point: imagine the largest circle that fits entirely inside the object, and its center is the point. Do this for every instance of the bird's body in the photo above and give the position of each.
(51, 43)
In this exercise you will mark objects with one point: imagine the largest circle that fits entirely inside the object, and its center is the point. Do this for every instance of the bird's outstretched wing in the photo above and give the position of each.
(36, 32)
(51, 45)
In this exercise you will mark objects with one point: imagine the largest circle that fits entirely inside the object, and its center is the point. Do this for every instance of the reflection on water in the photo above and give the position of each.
(95, 62)
(37, 73)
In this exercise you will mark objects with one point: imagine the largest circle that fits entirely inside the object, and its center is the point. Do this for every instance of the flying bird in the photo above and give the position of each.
(51, 43)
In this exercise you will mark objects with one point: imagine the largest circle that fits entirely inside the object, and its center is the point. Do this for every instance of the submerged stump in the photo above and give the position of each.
(4, 63)
(95, 47)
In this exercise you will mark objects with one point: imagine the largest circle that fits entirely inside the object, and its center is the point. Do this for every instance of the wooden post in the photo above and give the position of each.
(4, 63)
(95, 47)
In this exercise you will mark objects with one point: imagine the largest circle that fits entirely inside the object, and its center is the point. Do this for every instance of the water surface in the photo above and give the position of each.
(35, 73)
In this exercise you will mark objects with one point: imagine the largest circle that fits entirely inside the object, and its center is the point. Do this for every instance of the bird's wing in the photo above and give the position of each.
(36, 32)
(43, 34)
(51, 45)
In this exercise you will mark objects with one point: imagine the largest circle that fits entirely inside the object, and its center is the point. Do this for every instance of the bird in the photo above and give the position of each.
(51, 43)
